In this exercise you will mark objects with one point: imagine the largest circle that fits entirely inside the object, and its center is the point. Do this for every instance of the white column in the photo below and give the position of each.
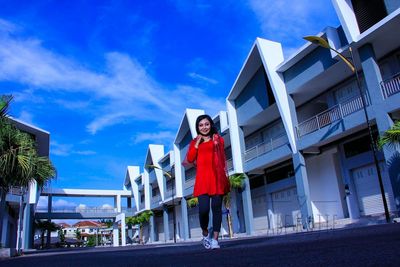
(115, 234)
(118, 203)
(123, 230)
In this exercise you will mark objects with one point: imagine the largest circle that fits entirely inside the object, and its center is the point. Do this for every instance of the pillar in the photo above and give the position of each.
(165, 223)
(185, 221)
(247, 207)
(303, 190)
(373, 79)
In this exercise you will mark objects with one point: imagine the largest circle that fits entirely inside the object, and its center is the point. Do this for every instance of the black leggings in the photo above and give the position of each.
(204, 210)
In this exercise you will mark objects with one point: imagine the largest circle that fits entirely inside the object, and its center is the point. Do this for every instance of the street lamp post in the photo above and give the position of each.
(173, 193)
(351, 64)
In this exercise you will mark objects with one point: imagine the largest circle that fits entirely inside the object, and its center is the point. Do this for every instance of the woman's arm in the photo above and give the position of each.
(192, 152)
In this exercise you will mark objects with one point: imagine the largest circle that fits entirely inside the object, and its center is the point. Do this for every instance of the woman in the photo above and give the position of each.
(212, 183)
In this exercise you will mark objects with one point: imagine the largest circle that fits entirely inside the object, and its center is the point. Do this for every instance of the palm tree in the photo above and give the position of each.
(44, 226)
(140, 220)
(236, 182)
(391, 137)
(20, 165)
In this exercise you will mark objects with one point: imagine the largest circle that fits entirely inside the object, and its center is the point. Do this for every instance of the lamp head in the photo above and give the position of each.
(150, 166)
(318, 41)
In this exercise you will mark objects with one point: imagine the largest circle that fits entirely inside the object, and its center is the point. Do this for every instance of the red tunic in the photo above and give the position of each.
(211, 176)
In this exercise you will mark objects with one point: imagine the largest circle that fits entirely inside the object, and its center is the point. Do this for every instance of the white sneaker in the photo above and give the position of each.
(214, 244)
(206, 242)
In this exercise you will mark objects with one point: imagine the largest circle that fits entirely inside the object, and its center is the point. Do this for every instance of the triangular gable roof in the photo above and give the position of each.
(153, 155)
(132, 173)
(188, 123)
(268, 54)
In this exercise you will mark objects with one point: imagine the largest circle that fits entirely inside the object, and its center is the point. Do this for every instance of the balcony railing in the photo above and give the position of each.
(331, 115)
(156, 199)
(69, 209)
(229, 165)
(168, 193)
(391, 86)
(265, 147)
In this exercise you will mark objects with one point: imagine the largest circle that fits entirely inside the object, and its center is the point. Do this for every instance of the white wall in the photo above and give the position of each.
(324, 187)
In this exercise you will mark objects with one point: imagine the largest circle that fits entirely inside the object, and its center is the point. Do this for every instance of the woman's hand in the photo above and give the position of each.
(198, 140)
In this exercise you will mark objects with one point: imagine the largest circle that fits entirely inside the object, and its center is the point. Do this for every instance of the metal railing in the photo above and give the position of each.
(331, 115)
(229, 165)
(156, 199)
(265, 147)
(391, 86)
(168, 193)
(67, 209)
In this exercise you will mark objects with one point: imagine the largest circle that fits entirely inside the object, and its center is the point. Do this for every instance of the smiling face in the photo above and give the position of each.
(204, 127)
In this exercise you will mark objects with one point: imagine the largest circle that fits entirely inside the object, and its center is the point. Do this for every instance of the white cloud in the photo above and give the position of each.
(123, 92)
(155, 138)
(60, 149)
(58, 204)
(287, 21)
(81, 207)
(202, 78)
(68, 149)
(107, 206)
(85, 152)
(26, 117)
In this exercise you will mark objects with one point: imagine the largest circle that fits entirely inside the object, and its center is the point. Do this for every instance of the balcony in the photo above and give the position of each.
(168, 193)
(156, 200)
(265, 147)
(229, 165)
(331, 115)
(391, 86)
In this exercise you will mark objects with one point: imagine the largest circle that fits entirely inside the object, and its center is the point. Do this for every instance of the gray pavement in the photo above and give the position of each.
(377, 245)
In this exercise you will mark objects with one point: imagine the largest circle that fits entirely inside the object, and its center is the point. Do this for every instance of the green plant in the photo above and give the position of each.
(20, 163)
(390, 137)
(44, 226)
(61, 235)
(192, 202)
(91, 241)
(236, 182)
(140, 219)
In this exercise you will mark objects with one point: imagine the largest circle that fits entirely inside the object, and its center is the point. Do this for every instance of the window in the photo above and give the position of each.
(155, 192)
(257, 181)
(356, 147)
(368, 13)
(283, 172)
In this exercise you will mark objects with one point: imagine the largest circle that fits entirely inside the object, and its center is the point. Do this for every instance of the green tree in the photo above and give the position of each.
(20, 165)
(91, 241)
(61, 235)
(44, 226)
(236, 182)
(391, 137)
(140, 219)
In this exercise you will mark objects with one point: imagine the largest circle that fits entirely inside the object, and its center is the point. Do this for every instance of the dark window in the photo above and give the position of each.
(141, 198)
(284, 172)
(368, 13)
(257, 181)
(357, 146)
(170, 183)
(270, 94)
(155, 191)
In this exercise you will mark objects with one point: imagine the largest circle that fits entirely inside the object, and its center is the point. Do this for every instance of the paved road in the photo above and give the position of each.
(377, 245)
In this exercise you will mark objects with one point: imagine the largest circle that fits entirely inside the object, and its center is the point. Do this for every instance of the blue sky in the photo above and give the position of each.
(107, 78)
